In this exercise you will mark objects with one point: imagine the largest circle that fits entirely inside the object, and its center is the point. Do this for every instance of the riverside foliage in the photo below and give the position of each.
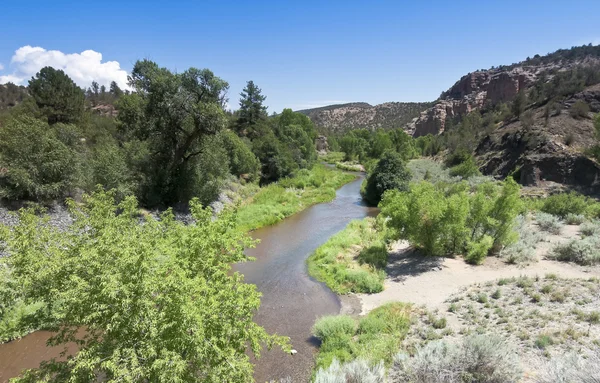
(157, 300)
(450, 219)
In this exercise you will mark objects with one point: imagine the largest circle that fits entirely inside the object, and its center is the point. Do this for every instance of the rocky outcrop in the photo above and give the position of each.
(488, 88)
(321, 144)
(361, 115)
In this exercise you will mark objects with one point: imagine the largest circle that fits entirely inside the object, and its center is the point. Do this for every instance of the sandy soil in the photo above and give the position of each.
(430, 280)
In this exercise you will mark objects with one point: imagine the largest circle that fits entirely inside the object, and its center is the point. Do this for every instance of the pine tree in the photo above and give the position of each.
(252, 111)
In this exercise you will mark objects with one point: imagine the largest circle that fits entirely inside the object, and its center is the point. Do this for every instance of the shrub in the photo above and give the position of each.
(579, 109)
(389, 174)
(477, 251)
(466, 169)
(574, 219)
(376, 338)
(330, 327)
(442, 221)
(565, 203)
(591, 228)
(357, 371)
(584, 251)
(570, 368)
(34, 163)
(549, 223)
(483, 359)
(522, 251)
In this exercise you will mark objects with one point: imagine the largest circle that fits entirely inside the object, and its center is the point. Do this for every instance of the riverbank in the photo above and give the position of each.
(542, 308)
(276, 201)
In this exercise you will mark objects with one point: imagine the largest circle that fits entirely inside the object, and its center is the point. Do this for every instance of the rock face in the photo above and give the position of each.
(539, 154)
(321, 144)
(359, 115)
(485, 88)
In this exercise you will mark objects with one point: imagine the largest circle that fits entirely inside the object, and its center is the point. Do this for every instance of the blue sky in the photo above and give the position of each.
(302, 54)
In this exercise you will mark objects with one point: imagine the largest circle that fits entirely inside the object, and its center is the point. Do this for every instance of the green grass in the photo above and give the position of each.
(375, 337)
(348, 166)
(279, 200)
(332, 157)
(352, 260)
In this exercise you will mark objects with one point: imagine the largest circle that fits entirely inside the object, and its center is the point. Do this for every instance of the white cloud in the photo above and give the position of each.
(83, 67)
(1, 66)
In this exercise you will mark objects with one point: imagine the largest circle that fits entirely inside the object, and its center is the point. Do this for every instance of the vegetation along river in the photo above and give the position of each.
(291, 299)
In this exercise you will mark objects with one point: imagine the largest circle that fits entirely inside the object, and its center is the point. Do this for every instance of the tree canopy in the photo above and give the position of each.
(157, 300)
(57, 96)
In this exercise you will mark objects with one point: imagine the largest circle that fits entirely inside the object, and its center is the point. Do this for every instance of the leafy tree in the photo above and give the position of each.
(242, 162)
(157, 300)
(445, 221)
(252, 111)
(57, 96)
(390, 173)
(275, 158)
(95, 88)
(518, 104)
(380, 143)
(172, 113)
(34, 162)
(115, 90)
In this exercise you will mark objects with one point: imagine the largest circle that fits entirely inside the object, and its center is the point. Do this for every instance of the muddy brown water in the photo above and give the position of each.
(291, 300)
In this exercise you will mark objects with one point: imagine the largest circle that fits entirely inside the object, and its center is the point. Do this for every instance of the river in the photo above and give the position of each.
(291, 299)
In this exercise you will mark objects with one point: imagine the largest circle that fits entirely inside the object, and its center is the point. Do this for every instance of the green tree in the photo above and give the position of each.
(57, 96)
(390, 173)
(34, 162)
(252, 111)
(115, 90)
(157, 300)
(242, 162)
(518, 104)
(172, 113)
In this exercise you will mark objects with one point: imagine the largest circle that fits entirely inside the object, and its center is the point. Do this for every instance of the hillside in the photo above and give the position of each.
(357, 115)
(532, 119)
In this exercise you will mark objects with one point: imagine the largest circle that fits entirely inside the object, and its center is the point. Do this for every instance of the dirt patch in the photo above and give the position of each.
(428, 281)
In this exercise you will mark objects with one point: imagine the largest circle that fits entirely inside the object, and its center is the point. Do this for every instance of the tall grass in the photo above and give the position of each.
(332, 157)
(290, 195)
(374, 338)
(352, 260)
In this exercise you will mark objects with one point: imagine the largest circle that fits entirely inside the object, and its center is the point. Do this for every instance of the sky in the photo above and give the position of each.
(302, 54)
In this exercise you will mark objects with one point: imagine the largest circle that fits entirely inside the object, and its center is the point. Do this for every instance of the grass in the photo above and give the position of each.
(352, 260)
(279, 200)
(351, 167)
(375, 337)
(333, 157)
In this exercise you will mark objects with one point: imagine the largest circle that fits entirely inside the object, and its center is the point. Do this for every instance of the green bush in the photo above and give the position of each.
(376, 337)
(466, 169)
(330, 327)
(332, 157)
(444, 221)
(162, 277)
(563, 204)
(389, 174)
(580, 109)
(34, 163)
